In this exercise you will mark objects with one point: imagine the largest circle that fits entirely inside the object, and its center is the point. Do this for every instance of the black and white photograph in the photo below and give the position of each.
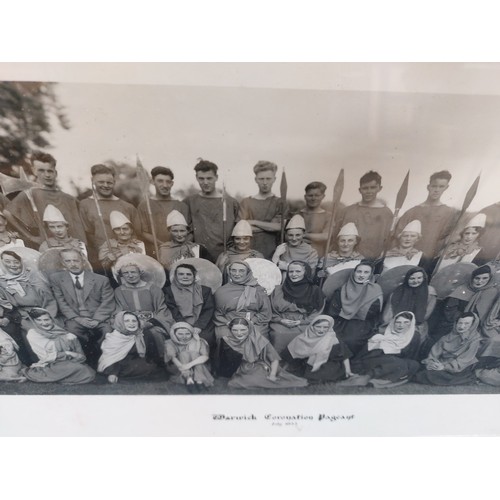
(247, 238)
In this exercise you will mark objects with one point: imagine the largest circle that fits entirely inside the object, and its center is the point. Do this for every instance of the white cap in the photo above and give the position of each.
(348, 229)
(478, 220)
(53, 214)
(242, 228)
(413, 227)
(175, 218)
(296, 222)
(117, 219)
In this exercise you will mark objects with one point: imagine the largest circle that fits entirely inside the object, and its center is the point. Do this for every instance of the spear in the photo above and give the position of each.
(471, 193)
(338, 189)
(143, 177)
(283, 190)
(99, 215)
(29, 194)
(224, 216)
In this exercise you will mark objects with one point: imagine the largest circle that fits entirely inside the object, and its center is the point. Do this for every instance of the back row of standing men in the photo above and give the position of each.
(91, 223)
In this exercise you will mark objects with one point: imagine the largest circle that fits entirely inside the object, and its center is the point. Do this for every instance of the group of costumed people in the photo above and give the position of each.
(102, 315)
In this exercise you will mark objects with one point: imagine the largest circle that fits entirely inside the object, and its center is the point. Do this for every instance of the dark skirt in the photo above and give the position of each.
(354, 333)
(131, 366)
(441, 377)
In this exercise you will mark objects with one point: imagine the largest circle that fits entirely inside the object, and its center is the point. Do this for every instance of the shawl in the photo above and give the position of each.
(401, 252)
(250, 347)
(479, 300)
(189, 299)
(133, 246)
(6, 338)
(303, 252)
(192, 345)
(459, 249)
(12, 283)
(249, 288)
(118, 343)
(338, 259)
(412, 299)
(174, 251)
(392, 342)
(303, 293)
(357, 298)
(47, 343)
(459, 350)
(316, 348)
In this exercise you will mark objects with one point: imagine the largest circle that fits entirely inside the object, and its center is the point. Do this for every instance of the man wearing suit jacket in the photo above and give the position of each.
(86, 300)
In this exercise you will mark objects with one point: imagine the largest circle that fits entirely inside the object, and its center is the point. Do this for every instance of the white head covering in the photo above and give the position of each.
(413, 227)
(348, 229)
(175, 218)
(242, 228)
(117, 219)
(53, 214)
(296, 222)
(478, 220)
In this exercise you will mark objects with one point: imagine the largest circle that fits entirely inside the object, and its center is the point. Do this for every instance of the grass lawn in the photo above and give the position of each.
(160, 386)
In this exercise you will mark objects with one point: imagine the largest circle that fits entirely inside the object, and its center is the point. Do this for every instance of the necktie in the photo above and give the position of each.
(78, 285)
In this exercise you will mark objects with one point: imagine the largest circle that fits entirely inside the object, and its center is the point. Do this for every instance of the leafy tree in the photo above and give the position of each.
(28, 111)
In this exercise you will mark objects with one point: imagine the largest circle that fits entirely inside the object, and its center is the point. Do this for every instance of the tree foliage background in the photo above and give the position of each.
(28, 113)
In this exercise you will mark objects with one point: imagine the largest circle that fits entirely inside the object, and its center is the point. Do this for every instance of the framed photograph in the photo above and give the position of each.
(336, 225)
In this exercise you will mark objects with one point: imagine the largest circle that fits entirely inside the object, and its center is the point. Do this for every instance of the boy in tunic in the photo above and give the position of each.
(371, 216)
(263, 211)
(206, 210)
(317, 219)
(161, 205)
(436, 218)
(25, 220)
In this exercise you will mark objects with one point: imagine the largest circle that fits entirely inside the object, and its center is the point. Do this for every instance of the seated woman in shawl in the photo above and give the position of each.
(453, 357)
(477, 296)
(240, 249)
(123, 243)
(60, 355)
(390, 358)
(125, 351)
(180, 247)
(20, 291)
(467, 248)
(317, 354)
(346, 256)
(186, 358)
(295, 304)
(11, 369)
(57, 228)
(405, 253)
(191, 302)
(414, 295)
(251, 361)
(242, 297)
(146, 300)
(355, 307)
(8, 239)
(295, 247)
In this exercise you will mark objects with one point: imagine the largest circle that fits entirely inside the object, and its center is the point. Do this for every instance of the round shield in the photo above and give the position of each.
(335, 281)
(266, 273)
(29, 256)
(50, 262)
(392, 278)
(208, 272)
(153, 270)
(447, 279)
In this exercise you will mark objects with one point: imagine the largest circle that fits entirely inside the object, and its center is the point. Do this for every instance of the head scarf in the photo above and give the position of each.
(189, 298)
(47, 343)
(316, 348)
(192, 345)
(357, 298)
(249, 285)
(303, 293)
(118, 343)
(479, 300)
(12, 283)
(392, 342)
(414, 299)
(250, 347)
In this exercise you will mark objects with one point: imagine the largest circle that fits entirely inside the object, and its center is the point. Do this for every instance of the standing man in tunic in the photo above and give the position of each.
(263, 211)
(436, 218)
(371, 216)
(26, 221)
(103, 179)
(161, 205)
(206, 210)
